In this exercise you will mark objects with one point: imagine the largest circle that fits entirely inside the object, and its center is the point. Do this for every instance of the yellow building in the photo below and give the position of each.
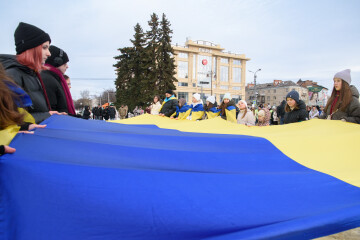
(200, 63)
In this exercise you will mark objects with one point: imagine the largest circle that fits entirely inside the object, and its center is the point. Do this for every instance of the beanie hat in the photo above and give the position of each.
(170, 92)
(294, 95)
(211, 99)
(58, 57)
(28, 36)
(227, 96)
(244, 103)
(196, 96)
(344, 75)
(182, 101)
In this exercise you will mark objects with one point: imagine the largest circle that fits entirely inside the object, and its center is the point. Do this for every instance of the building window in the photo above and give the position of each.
(224, 60)
(182, 84)
(274, 97)
(224, 87)
(194, 66)
(236, 88)
(183, 95)
(287, 90)
(274, 90)
(224, 74)
(237, 62)
(268, 91)
(221, 97)
(183, 55)
(183, 69)
(194, 84)
(268, 98)
(236, 74)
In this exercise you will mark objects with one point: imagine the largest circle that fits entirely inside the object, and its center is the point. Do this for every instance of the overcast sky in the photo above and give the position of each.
(287, 39)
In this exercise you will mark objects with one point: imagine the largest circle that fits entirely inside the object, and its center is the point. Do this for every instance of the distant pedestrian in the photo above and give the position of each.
(86, 113)
(280, 110)
(263, 117)
(313, 113)
(123, 111)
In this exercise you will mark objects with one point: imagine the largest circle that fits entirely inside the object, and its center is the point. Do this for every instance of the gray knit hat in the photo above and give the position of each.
(344, 75)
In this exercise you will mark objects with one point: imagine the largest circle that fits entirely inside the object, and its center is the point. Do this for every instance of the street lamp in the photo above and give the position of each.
(255, 95)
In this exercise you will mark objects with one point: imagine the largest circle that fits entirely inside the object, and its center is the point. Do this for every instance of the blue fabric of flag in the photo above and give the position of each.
(79, 179)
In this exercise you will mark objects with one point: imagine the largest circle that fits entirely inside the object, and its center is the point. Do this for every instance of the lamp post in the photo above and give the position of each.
(255, 76)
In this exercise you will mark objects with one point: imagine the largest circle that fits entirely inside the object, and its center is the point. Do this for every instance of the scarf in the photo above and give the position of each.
(337, 95)
(167, 99)
(69, 101)
(44, 90)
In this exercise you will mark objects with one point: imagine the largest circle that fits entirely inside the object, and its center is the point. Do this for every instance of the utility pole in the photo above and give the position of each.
(255, 76)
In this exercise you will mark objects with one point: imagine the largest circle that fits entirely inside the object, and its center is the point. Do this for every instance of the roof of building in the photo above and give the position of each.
(271, 85)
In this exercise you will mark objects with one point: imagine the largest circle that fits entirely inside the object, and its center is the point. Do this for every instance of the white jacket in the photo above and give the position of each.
(248, 120)
(155, 108)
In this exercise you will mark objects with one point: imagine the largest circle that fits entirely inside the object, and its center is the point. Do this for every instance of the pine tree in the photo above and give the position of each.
(124, 75)
(166, 62)
(147, 68)
(139, 86)
(152, 52)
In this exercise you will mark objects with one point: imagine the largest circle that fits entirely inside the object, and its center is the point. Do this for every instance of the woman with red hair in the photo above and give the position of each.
(32, 49)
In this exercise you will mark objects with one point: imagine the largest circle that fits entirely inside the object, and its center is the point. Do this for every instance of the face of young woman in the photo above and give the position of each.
(337, 83)
(68, 82)
(156, 99)
(194, 100)
(226, 100)
(242, 105)
(45, 51)
(291, 102)
(63, 68)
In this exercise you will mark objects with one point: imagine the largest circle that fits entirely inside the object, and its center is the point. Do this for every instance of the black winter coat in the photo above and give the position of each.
(169, 107)
(280, 110)
(297, 115)
(27, 79)
(112, 112)
(54, 91)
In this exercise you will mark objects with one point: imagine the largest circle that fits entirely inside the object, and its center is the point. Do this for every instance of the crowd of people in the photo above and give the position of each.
(33, 86)
(343, 105)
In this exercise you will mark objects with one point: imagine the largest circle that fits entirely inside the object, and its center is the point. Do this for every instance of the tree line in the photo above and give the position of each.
(146, 68)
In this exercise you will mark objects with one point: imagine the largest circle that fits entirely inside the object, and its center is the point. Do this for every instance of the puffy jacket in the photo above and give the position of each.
(280, 110)
(352, 113)
(27, 79)
(112, 112)
(298, 114)
(54, 91)
(169, 107)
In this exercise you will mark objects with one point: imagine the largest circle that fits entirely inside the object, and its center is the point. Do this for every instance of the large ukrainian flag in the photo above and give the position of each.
(145, 179)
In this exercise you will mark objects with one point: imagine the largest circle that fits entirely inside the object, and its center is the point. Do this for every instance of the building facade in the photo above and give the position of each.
(204, 67)
(274, 93)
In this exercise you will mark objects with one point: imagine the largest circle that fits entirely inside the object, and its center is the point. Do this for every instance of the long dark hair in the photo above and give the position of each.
(9, 114)
(158, 97)
(344, 99)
